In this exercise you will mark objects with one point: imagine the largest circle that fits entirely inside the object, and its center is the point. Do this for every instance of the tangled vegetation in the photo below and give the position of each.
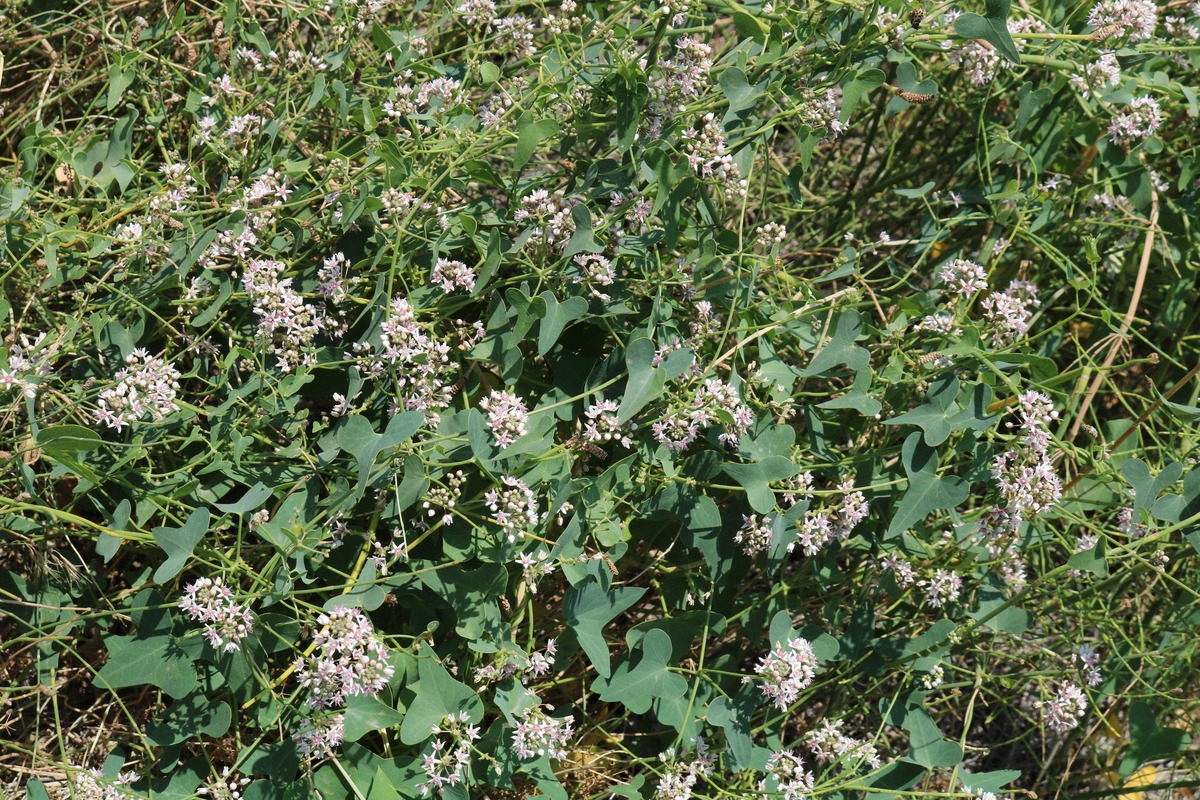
(590, 399)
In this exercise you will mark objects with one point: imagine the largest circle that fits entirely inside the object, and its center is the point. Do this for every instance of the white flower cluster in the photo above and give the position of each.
(146, 385)
(963, 277)
(1063, 711)
(286, 323)
(515, 508)
(27, 362)
(822, 112)
(320, 739)
(1138, 122)
(451, 275)
(715, 400)
(226, 623)
(507, 417)
(550, 217)
(786, 775)
(754, 536)
(91, 784)
(1025, 474)
(596, 270)
(786, 671)
(507, 663)
(534, 567)
(829, 743)
(422, 362)
(1097, 76)
(444, 497)
(1008, 312)
(538, 734)
(682, 774)
(707, 153)
(819, 527)
(1133, 18)
(603, 424)
(450, 758)
(350, 659)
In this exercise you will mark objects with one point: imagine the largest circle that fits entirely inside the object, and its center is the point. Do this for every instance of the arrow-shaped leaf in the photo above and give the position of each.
(926, 491)
(993, 28)
(636, 686)
(587, 608)
(178, 543)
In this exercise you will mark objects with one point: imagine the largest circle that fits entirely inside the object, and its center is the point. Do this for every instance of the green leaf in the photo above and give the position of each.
(926, 491)
(736, 716)
(365, 713)
(381, 787)
(749, 26)
(107, 544)
(178, 543)
(1148, 741)
(929, 749)
(587, 608)
(357, 437)
(65, 440)
(529, 135)
(992, 599)
(488, 72)
(1174, 508)
(755, 479)
(937, 632)
(437, 696)
(646, 382)
(472, 593)
(636, 686)
(528, 310)
(932, 417)
(278, 760)
(120, 77)
(854, 89)
(583, 240)
(196, 715)
(151, 656)
(941, 415)
(1030, 102)
(254, 497)
(1091, 560)
(993, 27)
(1147, 487)
(630, 95)
(841, 348)
(740, 94)
(906, 79)
(556, 319)
(989, 781)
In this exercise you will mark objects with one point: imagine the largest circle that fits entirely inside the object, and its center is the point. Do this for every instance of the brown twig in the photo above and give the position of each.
(1130, 313)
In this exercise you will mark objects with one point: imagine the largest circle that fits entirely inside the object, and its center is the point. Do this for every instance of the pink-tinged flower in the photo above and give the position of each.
(1138, 122)
(603, 424)
(226, 623)
(1133, 18)
(754, 536)
(349, 659)
(786, 671)
(320, 739)
(1065, 709)
(786, 775)
(451, 275)
(538, 734)
(514, 508)
(963, 277)
(507, 417)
